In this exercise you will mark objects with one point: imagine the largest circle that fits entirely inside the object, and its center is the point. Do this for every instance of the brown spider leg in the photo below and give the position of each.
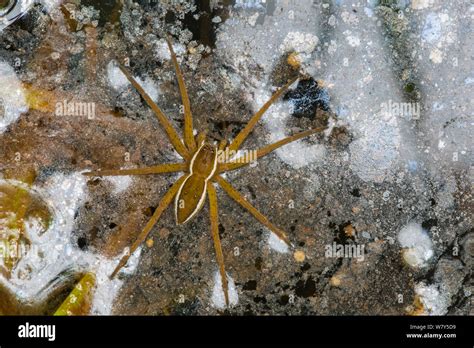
(221, 154)
(165, 201)
(200, 138)
(170, 131)
(161, 168)
(211, 191)
(222, 145)
(239, 162)
(188, 118)
(240, 138)
(235, 195)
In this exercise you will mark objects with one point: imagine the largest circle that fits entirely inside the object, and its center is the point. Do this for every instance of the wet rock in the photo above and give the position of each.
(355, 185)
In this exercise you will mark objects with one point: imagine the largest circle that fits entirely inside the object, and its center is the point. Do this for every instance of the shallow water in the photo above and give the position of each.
(389, 82)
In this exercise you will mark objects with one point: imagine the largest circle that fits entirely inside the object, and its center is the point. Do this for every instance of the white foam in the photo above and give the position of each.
(218, 297)
(12, 97)
(150, 87)
(50, 4)
(119, 81)
(163, 53)
(106, 289)
(299, 42)
(434, 302)
(275, 243)
(116, 78)
(56, 250)
(417, 244)
(120, 183)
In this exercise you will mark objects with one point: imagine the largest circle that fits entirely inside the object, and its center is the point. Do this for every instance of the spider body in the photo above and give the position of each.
(201, 169)
(192, 192)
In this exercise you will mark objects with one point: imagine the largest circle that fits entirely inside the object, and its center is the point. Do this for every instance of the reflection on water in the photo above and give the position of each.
(11, 10)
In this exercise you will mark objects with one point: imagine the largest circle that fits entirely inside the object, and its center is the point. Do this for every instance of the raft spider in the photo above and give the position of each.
(201, 170)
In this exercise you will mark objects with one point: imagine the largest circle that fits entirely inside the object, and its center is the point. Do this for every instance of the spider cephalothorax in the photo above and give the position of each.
(201, 169)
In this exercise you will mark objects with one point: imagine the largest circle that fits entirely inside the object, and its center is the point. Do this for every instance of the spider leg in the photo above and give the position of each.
(170, 131)
(211, 191)
(200, 138)
(188, 118)
(161, 168)
(240, 138)
(222, 145)
(239, 162)
(236, 196)
(165, 201)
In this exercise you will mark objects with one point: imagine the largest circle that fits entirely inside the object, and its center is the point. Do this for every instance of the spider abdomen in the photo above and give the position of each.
(190, 198)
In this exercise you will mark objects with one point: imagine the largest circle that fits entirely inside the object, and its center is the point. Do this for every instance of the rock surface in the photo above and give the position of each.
(390, 82)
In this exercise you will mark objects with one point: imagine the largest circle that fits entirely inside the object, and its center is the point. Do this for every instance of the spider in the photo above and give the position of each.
(202, 170)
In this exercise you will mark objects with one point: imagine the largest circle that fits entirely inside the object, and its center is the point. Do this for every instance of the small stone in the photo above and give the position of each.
(299, 256)
(149, 243)
(164, 232)
(335, 280)
(349, 230)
